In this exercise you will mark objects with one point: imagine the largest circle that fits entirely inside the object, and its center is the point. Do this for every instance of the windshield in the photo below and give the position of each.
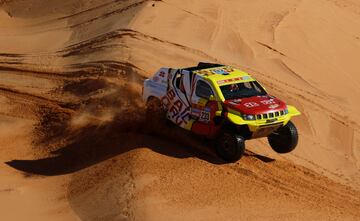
(242, 90)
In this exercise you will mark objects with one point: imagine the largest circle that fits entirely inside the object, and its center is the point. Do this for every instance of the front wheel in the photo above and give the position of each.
(230, 147)
(284, 139)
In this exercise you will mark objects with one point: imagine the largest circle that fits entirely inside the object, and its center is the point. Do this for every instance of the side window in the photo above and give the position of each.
(179, 82)
(203, 90)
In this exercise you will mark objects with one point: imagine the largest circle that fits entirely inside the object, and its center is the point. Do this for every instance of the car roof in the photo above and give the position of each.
(223, 75)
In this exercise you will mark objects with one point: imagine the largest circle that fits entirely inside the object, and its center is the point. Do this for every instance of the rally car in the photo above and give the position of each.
(221, 103)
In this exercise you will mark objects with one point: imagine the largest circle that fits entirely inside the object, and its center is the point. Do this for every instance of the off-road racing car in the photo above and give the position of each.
(221, 103)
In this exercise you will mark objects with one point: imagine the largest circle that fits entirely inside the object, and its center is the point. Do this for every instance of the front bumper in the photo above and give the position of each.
(260, 124)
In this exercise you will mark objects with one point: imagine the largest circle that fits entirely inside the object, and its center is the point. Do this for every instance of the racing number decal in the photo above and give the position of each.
(204, 116)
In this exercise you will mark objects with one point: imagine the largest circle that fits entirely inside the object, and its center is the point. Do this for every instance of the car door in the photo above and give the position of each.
(203, 108)
(176, 100)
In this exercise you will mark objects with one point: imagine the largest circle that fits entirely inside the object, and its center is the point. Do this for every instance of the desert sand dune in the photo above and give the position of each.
(74, 142)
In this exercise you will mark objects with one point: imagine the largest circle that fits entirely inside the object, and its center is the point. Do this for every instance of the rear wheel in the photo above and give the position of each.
(284, 139)
(230, 147)
(154, 108)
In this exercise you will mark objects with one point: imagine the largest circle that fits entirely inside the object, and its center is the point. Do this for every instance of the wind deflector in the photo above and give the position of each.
(204, 65)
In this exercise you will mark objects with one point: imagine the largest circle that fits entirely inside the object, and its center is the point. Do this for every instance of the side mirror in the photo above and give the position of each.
(211, 98)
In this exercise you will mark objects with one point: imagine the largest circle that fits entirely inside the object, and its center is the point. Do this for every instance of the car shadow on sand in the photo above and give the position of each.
(96, 143)
(68, 150)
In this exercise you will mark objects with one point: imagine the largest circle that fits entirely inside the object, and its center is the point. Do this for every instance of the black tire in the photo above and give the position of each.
(284, 139)
(230, 147)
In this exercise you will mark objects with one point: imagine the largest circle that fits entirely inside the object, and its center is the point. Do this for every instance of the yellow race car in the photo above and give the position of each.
(224, 104)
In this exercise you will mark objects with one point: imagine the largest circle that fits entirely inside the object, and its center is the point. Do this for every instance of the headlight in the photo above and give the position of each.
(248, 117)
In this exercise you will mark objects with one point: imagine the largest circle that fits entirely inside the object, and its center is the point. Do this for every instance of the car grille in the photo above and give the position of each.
(270, 115)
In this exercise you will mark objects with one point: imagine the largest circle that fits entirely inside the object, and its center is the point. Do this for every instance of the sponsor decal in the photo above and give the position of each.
(251, 104)
(229, 69)
(205, 72)
(162, 74)
(198, 106)
(177, 111)
(195, 112)
(274, 106)
(220, 71)
(223, 70)
(268, 102)
(271, 120)
(233, 79)
(235, 102)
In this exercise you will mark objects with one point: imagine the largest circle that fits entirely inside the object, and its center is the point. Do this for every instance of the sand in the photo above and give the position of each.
(74, 143)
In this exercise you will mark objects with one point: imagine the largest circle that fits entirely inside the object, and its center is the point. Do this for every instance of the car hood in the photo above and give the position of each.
(256, 105)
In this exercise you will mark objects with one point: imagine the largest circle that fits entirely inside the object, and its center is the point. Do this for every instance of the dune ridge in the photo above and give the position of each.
(72, 123)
